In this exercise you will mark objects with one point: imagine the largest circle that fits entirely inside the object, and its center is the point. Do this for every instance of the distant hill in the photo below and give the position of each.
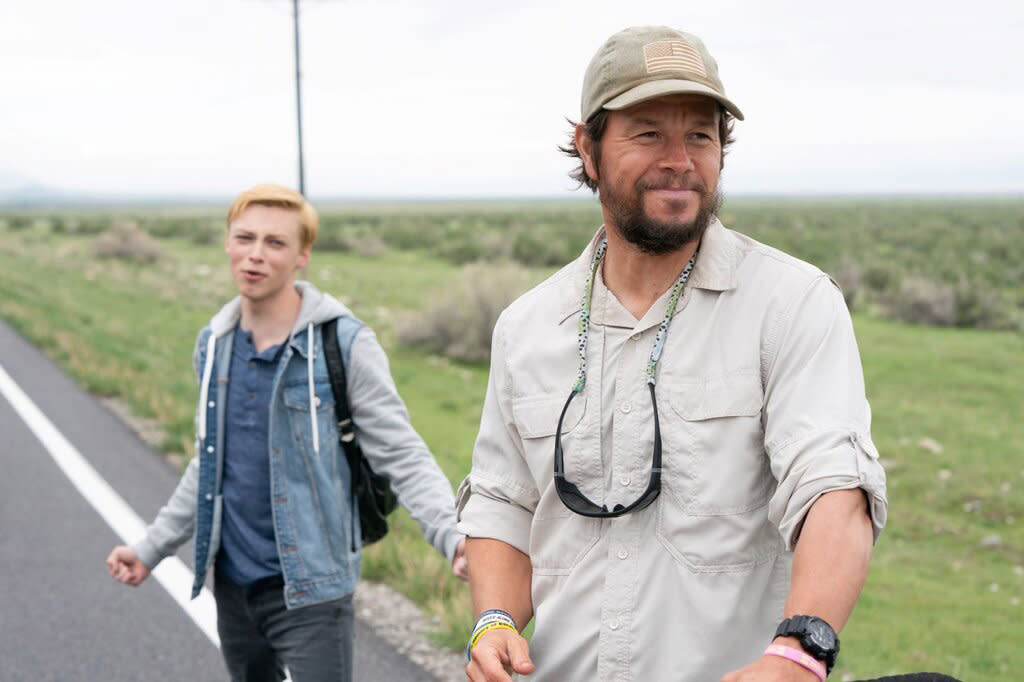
(18, 191)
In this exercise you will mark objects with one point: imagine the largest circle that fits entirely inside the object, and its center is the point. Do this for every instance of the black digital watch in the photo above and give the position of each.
(816, 637)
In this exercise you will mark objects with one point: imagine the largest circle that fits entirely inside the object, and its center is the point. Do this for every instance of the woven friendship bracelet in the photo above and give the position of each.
(798, 657)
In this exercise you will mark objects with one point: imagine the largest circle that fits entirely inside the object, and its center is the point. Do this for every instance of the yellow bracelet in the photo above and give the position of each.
(488, 628)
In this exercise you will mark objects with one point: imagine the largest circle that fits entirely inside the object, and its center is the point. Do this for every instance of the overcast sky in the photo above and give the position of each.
(453, 98)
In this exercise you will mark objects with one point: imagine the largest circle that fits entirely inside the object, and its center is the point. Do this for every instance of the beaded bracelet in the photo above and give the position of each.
(491, 619)
(798, 657)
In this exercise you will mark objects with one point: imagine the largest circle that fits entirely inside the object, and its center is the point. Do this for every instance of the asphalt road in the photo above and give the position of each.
(61, 616)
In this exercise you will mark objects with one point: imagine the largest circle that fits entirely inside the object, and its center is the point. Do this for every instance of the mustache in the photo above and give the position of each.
(674, 183)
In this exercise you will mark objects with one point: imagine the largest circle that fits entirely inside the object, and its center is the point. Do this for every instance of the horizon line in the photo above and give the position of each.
(99, 200)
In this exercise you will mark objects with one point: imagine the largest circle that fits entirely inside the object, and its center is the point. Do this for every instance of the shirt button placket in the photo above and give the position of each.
(618, 602)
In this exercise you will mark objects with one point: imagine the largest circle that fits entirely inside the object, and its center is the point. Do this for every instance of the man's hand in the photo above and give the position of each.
(124, 566)
(771, 669)
(497, 654)
(460, 565)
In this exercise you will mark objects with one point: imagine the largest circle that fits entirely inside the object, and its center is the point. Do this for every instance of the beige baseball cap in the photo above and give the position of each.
(645, 62)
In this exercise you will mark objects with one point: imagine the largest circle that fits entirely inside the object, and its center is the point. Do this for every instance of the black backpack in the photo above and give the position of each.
(372, 491)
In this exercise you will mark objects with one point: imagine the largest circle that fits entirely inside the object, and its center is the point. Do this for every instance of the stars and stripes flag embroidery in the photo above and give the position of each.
(673, 55)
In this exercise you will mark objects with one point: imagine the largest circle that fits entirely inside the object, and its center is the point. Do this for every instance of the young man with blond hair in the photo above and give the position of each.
(267, 496)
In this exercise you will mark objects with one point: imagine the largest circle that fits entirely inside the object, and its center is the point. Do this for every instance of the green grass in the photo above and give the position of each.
(937, 598)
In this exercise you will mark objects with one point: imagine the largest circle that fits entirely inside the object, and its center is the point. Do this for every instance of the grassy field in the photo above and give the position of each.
(947, 580)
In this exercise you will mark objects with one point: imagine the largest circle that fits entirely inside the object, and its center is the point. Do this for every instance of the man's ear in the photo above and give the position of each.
(304, 256)
(585, 146)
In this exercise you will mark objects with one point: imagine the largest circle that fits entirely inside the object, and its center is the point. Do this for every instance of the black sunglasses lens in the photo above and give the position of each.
(578, 503)
(574, 500)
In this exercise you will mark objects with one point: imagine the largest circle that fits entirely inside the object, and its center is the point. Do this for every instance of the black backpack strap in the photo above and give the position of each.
(346, 427)
(336, 370)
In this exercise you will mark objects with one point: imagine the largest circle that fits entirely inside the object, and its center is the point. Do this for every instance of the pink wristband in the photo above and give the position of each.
(798, 657)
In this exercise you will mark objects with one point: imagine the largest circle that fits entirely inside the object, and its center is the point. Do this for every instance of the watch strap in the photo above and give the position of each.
(798, 627)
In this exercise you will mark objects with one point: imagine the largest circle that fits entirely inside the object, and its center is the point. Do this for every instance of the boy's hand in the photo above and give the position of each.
(124, 566)
(460, 566)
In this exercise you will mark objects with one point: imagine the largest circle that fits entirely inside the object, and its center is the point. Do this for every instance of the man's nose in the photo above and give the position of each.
(676, 156)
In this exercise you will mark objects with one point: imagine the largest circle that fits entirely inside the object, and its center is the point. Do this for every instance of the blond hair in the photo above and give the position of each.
(282, 197)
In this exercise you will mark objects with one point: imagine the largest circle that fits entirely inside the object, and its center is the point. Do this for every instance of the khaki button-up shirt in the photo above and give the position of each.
(762, 409)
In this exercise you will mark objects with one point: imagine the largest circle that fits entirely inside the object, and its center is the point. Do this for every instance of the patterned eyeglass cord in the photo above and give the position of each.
(659, 340)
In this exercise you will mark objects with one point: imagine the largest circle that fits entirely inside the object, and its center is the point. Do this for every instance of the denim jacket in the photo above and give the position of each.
(314, 514)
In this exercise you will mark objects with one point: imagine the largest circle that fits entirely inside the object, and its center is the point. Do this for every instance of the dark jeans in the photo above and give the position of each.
(260, 636)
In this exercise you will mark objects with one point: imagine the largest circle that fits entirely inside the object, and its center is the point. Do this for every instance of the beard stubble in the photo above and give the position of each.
(649, 234)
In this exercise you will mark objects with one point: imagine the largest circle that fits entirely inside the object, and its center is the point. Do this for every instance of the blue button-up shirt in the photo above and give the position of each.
(248, 550)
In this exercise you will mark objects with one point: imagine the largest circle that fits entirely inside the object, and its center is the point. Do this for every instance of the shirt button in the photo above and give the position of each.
(209, 448)
(624, 480)
(316, 401)
(209, 496)
(626, 407)
(623, 554)
(635, 337)
(211, 404)
(613, 624)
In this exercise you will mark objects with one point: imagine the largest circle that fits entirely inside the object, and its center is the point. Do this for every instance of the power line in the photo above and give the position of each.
(298, 99)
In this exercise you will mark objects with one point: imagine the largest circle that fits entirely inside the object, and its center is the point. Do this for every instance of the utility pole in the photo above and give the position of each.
(298, 99)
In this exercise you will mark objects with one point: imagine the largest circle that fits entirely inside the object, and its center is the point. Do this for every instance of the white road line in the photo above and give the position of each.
(172, 573)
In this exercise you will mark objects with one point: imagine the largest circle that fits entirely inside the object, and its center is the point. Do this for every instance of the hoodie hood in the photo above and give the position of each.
(317, 307)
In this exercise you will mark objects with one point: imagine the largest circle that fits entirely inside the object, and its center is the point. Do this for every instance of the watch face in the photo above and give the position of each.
(821, 634)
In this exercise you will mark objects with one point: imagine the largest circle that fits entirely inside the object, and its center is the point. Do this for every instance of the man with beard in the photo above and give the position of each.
(674, 468)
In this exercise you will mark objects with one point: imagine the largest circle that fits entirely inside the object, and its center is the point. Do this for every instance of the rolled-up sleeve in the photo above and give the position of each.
(816, 416)
(497, 498)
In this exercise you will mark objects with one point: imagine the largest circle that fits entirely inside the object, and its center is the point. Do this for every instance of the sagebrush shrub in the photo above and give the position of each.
(848, 276)
(923, 301)
(458, 322)
(125, 241)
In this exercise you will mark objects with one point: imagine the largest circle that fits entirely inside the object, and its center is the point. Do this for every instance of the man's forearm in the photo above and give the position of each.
(499, 578)
(831, 559)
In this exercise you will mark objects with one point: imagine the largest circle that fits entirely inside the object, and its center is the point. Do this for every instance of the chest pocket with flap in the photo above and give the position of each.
(559, 539)
(717, 476)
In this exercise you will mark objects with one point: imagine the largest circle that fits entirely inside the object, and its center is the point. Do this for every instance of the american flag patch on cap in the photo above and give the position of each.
(673, 55)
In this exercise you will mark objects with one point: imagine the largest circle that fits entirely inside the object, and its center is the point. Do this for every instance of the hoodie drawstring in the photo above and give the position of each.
(204, 389)
(312, 393)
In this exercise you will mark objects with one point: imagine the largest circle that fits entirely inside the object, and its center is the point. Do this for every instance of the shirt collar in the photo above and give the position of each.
(715, 269)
